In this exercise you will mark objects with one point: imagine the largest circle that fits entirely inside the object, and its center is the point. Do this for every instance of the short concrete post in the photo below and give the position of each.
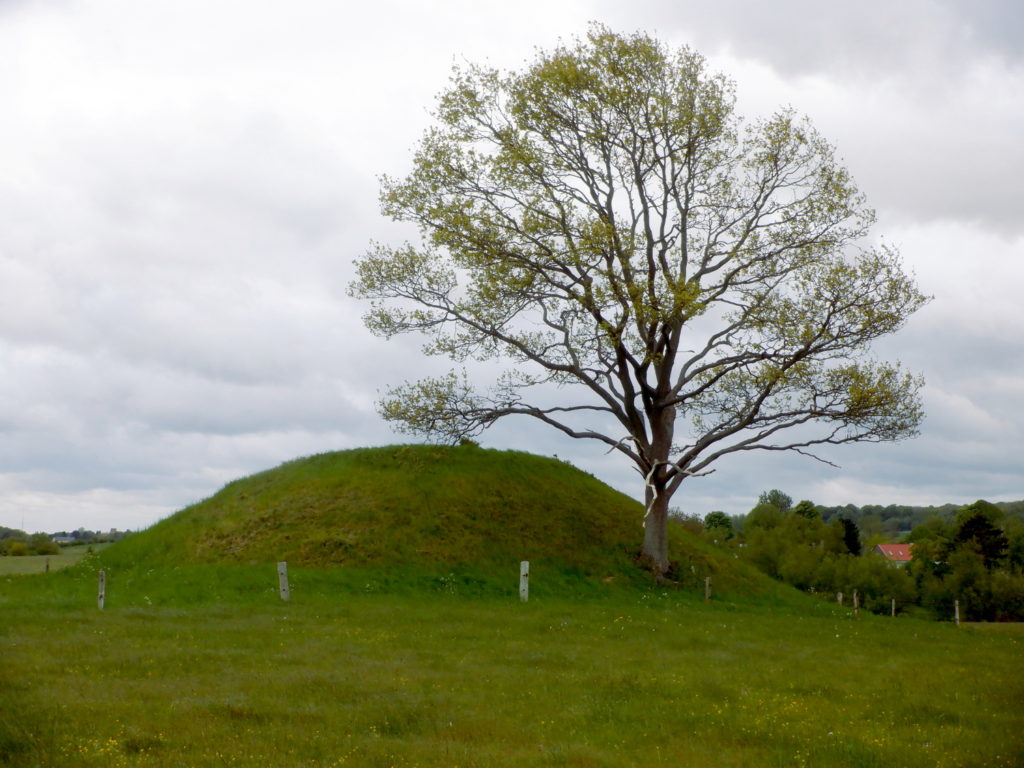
(524, 580)
(282, 580)
(839, 597)
(956, 612)
(102, 596)
(894, 606)
(707, 588)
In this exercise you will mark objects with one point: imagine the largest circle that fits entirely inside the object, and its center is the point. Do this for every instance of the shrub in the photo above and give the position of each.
(41, 544)
(17, 548)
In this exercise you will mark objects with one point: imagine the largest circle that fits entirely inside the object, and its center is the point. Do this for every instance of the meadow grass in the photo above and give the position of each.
(68, 556)
(207, 667)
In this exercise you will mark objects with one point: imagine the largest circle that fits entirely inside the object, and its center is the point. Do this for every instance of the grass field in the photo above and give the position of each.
(39, 563)
(350, 676)
(412, 648)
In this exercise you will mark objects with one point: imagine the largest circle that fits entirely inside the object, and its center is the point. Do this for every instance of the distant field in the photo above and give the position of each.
(353, 677)
(38, 563)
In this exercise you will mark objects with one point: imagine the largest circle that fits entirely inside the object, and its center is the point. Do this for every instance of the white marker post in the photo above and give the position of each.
(102, 596)
(282, 580)
(956, 612)
(524, 580)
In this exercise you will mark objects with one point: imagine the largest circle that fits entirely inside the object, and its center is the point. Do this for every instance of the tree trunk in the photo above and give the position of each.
(655, 549)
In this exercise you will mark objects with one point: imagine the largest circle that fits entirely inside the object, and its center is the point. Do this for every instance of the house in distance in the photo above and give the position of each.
(896, 554)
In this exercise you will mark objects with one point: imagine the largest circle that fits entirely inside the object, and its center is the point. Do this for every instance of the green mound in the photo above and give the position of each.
(426, 505)
(428, 509)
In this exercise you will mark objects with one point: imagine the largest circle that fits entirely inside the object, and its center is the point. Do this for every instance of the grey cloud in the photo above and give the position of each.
(994, 24)
(871, 38)
(179, 225)
(920, 97)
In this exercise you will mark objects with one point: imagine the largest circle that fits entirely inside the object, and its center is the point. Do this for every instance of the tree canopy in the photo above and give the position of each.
(977, 525)
(603, 219)
(781, 501)
(718, 521)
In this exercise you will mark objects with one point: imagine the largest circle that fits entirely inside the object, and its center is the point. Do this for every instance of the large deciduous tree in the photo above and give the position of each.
(603, 219)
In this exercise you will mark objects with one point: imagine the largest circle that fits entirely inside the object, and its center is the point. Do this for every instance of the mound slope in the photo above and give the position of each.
(429, 509)
(419, 505)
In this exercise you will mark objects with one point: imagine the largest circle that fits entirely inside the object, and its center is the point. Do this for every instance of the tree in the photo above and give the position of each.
(764, 515)
(719, 523)
(975, 525)
(781, 501)
(851, 536)
(806, 509)
(41, 544)
(1014, 530)
(602, 219)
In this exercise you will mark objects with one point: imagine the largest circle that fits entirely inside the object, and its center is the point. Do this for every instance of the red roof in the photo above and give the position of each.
(897, 553)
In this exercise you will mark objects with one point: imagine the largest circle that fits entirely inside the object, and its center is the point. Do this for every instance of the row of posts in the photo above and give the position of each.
(524, 589)
(524, 584)
(856, 606)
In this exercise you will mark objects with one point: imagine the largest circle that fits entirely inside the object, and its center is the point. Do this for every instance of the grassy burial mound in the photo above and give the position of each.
(423, 505)
(424, 508)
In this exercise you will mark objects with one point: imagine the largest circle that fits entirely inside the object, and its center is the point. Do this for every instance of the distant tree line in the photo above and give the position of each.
(973, 554)
(15, 542)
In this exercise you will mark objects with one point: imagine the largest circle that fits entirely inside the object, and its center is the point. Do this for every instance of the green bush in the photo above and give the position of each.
(41, 544)
(17, 548)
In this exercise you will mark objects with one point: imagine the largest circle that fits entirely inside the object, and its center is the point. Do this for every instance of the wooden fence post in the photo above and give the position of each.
(894, 606)
(524, 580)
(856, 603)
(956, 612)
(102, 596)
(282, 580)
(707, 588)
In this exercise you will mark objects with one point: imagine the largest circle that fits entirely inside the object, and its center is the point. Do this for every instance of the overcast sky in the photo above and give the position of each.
(184, 186)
